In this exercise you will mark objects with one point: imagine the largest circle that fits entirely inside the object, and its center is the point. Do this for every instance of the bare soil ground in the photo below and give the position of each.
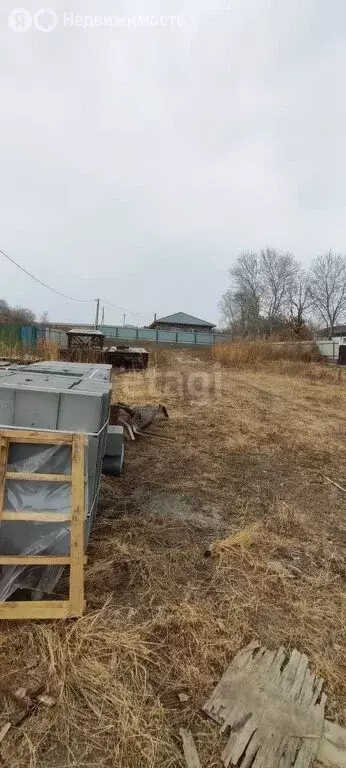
(172, 592)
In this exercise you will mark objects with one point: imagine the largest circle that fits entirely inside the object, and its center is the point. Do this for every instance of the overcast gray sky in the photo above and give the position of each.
(137, 161)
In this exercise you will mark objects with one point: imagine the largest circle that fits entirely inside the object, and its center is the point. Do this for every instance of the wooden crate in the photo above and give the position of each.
(48, 609)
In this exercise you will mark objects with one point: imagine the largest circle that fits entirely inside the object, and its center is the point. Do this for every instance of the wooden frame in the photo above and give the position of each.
(48, 609)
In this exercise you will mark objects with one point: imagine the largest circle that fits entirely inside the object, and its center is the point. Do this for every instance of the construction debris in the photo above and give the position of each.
(136, 418)
(4, 730)
(128, 358)
(48, 701)
(190, 752)
(30, 701)
(183, 697)
(274, 707)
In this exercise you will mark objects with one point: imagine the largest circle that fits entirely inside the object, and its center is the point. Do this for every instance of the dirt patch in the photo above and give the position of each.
(186, 508)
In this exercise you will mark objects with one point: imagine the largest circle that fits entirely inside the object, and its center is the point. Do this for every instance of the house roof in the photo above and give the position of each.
(339, 330)
(181, 318)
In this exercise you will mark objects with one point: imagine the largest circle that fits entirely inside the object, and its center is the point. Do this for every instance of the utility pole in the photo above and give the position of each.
(103, 316)
(124, 318)
(97, 312)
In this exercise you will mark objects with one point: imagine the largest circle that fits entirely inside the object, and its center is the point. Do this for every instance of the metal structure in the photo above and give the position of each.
(156, 336)
(329, 348)
(342, 354)
(114, 452)
(50, 398)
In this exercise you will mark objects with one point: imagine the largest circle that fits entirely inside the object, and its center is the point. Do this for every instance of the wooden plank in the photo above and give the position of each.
(54, 609)
(3, 467)
(35, 609)
(5, 728)
(38, 477)
(241, 661)
(289, 674)
(37, 517)
(36, 560)
(251, 751)
(300, 679)
(36, 437)
(235, 747)
(341, 488)
(275, 668)
(76, 597)
(190, 752)
(332, 747)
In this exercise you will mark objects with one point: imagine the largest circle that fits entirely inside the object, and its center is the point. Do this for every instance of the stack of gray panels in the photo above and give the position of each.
(71, 397)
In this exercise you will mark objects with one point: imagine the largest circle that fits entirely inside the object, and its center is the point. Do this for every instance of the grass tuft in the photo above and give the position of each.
(256, 352)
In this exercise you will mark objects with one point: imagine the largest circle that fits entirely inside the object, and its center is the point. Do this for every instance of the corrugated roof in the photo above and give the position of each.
(181, 318)
(86, 332)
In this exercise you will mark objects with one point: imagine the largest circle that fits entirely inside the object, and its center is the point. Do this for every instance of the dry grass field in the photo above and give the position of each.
(222, 529)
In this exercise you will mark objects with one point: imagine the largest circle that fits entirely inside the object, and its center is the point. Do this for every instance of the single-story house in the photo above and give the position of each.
(180, 321)
(339, 334)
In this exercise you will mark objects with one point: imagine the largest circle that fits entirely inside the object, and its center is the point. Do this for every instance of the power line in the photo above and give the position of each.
(123, 309)
(64, 295)
(37, 279)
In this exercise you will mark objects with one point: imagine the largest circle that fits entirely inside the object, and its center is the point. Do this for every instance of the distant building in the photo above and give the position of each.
(180, 321)
(338, 332)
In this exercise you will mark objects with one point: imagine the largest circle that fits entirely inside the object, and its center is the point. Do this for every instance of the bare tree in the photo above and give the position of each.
(240, 312)
(227, 307)
(268, 294)
(248, 293)
(5, 311)
(278, 272)
(327, 287)
(22, 316)
(44, 319)
(15, 315)
(246, 273)
(299, 302)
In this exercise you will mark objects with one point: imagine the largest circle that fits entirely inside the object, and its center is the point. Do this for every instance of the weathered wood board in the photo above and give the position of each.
(190, 751)
(273, 707)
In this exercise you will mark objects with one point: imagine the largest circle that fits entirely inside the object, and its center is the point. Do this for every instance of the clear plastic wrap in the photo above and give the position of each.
(32, 538)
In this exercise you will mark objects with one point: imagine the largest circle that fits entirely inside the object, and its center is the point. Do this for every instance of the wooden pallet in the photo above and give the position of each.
(48, 609)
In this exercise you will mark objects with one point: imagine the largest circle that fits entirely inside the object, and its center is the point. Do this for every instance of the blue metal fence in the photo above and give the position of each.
(18, 335)
(151, 334)
(28, 336)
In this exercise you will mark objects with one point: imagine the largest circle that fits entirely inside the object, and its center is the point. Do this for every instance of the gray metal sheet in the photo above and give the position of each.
(7, 398)
(38, 410)
(80, 412)
(79, 369)
(92, 385)
(32, 381)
